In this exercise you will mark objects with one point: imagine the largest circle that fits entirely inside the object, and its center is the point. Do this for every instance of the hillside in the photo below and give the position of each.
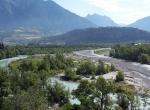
(100, 35)
(100, 20)
(43, 16)
(142, 24)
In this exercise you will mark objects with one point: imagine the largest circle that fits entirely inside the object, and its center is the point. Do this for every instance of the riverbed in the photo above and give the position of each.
(67, 84)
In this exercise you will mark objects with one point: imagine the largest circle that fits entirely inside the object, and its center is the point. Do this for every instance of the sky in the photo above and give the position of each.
(121, 11)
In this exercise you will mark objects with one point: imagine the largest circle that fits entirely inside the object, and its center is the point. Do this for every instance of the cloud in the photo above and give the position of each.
(125, 11)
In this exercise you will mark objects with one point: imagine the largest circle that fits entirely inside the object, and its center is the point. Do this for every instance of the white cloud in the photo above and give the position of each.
(124, 11)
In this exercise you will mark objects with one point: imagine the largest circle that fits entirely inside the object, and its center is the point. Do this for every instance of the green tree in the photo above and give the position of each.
(66, 106)
(103, 89)
(70, 74)
(28, 79)
(126, 96)
(28, 65)
(102, 68)
(119, 77)
(86, 68)
(42, 75)
(94, 95)
(123, 101)
(144, 58)
(112, 68)
(84, 95)
(4, 86)
(32, 99)
(57, 94)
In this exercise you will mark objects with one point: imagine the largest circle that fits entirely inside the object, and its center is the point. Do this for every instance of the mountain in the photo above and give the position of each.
(43, 15)
(102, 21)
(100, 35)
(142, 24)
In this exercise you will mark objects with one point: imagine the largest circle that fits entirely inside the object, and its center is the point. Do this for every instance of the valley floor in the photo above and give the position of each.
(135, 70)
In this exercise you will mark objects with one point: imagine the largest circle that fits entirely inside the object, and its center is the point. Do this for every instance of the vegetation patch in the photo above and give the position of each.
(104, 51)
(137, 53)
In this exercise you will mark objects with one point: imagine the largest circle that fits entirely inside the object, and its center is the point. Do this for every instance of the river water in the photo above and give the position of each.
(7, 61)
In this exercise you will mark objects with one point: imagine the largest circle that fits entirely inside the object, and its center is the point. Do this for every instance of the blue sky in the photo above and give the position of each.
(121, 11)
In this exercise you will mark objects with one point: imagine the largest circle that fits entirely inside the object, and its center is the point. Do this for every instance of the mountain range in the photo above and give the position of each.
(41, 15)
(105, 21)
(28, 20)
(100, 35)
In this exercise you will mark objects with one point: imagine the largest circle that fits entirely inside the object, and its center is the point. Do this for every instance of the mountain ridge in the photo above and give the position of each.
(100, 20)
(41, 14)
(100, 35)
(142, 23)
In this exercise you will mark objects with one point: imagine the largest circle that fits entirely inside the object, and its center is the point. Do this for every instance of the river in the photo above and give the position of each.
(7, 61)
(90, 55)
(136, 70)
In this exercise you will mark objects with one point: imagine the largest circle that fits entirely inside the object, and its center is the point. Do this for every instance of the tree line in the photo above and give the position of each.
(12, 51)
(88, 68)
(138, 53)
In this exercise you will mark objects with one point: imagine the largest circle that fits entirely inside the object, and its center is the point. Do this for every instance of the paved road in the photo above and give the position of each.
(135, 69)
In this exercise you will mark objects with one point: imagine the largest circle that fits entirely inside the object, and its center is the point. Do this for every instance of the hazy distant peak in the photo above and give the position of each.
(101, 20)
(142, 23)
(95, 14)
